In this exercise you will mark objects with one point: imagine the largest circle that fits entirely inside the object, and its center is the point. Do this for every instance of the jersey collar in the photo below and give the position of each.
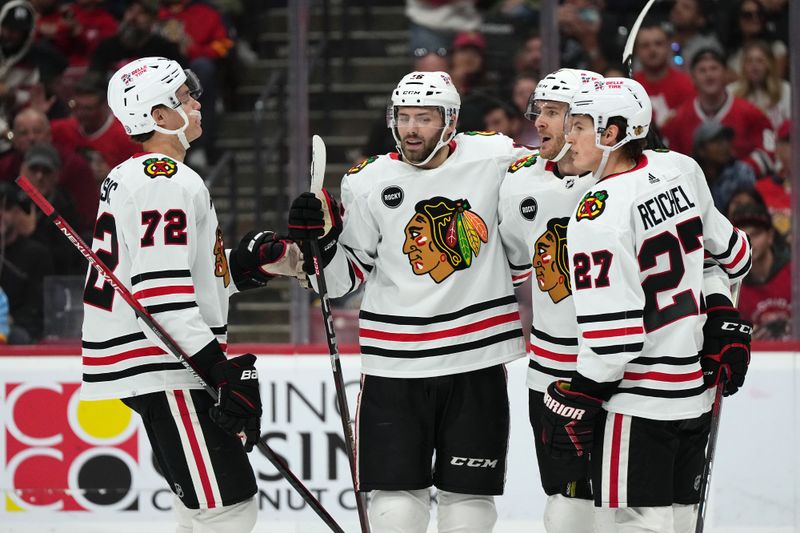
(641, 164)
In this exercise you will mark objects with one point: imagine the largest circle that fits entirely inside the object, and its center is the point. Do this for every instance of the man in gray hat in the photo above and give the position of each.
(713, 150)
(42, 165)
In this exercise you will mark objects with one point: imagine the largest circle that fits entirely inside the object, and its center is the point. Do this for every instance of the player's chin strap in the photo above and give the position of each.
(181, 132)
(442, 142)
(561, 153)
(606, 151)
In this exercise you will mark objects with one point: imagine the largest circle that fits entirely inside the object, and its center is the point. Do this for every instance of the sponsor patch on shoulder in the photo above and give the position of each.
(160, 166)
(592, 205)
(357, 168)
(526, 161)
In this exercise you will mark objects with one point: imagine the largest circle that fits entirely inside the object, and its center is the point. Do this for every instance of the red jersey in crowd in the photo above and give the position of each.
(110, 141)
(203, 26)
(667, 94)
(779, 202)
(769, 305)
(752, 130)
(77, 30)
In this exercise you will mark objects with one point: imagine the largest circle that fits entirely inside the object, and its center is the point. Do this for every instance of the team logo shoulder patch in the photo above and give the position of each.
(481, 133)
(527, 161)
(160, 166)
(592, 205)
(528, 208)
(392, 196)
(357, 168)
(442, 237)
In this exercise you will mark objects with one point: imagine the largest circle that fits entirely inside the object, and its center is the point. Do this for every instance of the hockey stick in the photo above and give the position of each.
(654, 140)
(165, 337)
(716, 412)
(318, 162)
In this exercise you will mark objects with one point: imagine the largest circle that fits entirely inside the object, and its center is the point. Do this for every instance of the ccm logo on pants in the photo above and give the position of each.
(473, 462)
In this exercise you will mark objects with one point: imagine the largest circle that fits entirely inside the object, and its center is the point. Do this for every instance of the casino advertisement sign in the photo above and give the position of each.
(63, 457)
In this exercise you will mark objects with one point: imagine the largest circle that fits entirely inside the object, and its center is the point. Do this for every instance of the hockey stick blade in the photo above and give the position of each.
(627, 52)
(168, 341)
(318, 162)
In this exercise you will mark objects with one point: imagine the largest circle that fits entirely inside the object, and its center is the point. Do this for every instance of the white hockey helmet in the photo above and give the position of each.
(136, 88)
(426, 89)
(615, 97)
(559, 86)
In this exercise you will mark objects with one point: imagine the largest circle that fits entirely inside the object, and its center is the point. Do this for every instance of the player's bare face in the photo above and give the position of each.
(586, 155)
(550, 125)
(419, 129)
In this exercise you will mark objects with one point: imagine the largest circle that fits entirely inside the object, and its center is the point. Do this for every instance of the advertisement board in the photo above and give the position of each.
(69, 465)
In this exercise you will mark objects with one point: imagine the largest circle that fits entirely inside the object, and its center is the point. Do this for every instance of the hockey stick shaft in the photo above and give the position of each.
(716, 412)
(165, 337)
(318, 162)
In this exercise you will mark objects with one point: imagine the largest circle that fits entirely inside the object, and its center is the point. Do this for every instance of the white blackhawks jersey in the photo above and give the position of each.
(157, 229)
(637, 242)
(438, 298)
(535, 207)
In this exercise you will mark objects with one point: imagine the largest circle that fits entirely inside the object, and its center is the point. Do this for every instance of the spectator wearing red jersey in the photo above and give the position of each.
(135, 39)
(92, 129)
(777, 188)
(753, 138)
(765, 297)
(75, 177)
(199, 32)
(668, 87)
(75, 29)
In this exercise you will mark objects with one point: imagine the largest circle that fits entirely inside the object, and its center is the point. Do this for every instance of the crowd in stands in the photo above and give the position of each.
(717, 74)
(56, 127)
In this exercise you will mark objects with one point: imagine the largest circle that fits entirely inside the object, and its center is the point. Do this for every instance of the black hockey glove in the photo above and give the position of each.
(262, 255)
(726, 348)
(238, 408)
(569, 419)
(309, 218)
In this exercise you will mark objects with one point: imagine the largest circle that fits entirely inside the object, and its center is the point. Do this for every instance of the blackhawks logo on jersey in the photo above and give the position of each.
(220, 261)
(527, 161)
(481, 133)
(160, 166)
(357, 168)
(550, 260)
(592, 205)
(442, 236)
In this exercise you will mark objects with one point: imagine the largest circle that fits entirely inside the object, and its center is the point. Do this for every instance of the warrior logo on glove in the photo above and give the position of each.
(442, 237)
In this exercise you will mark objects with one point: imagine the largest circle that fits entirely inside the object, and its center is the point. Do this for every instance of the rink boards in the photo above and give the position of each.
(68, 465)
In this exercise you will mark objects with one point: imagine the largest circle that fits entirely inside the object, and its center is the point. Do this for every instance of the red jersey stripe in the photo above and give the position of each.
(663, 376)
(163, 291)
(742, 250)
(195, 446)
(116, 358)
(618, 332)
(560, 357)
(521, 276)
(443, 334)
(613, 475)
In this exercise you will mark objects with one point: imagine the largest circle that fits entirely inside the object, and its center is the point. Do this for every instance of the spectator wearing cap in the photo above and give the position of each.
(28, 68)
(134, 39)
(433, 25)
(753, 139)
(92, 129)
(41, 166)
(690, 19)
(765, 297)
(714, 153)
(667, 86)
(777, 188)
(25, 263)
(31, 127)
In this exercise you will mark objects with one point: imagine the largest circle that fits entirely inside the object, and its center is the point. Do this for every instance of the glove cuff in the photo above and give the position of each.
(207, 357)
(602, 392)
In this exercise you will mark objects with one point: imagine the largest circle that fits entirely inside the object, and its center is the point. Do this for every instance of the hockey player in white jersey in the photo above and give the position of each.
(650, 346)
(537, 198)
(439, 318)
(157, 229)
